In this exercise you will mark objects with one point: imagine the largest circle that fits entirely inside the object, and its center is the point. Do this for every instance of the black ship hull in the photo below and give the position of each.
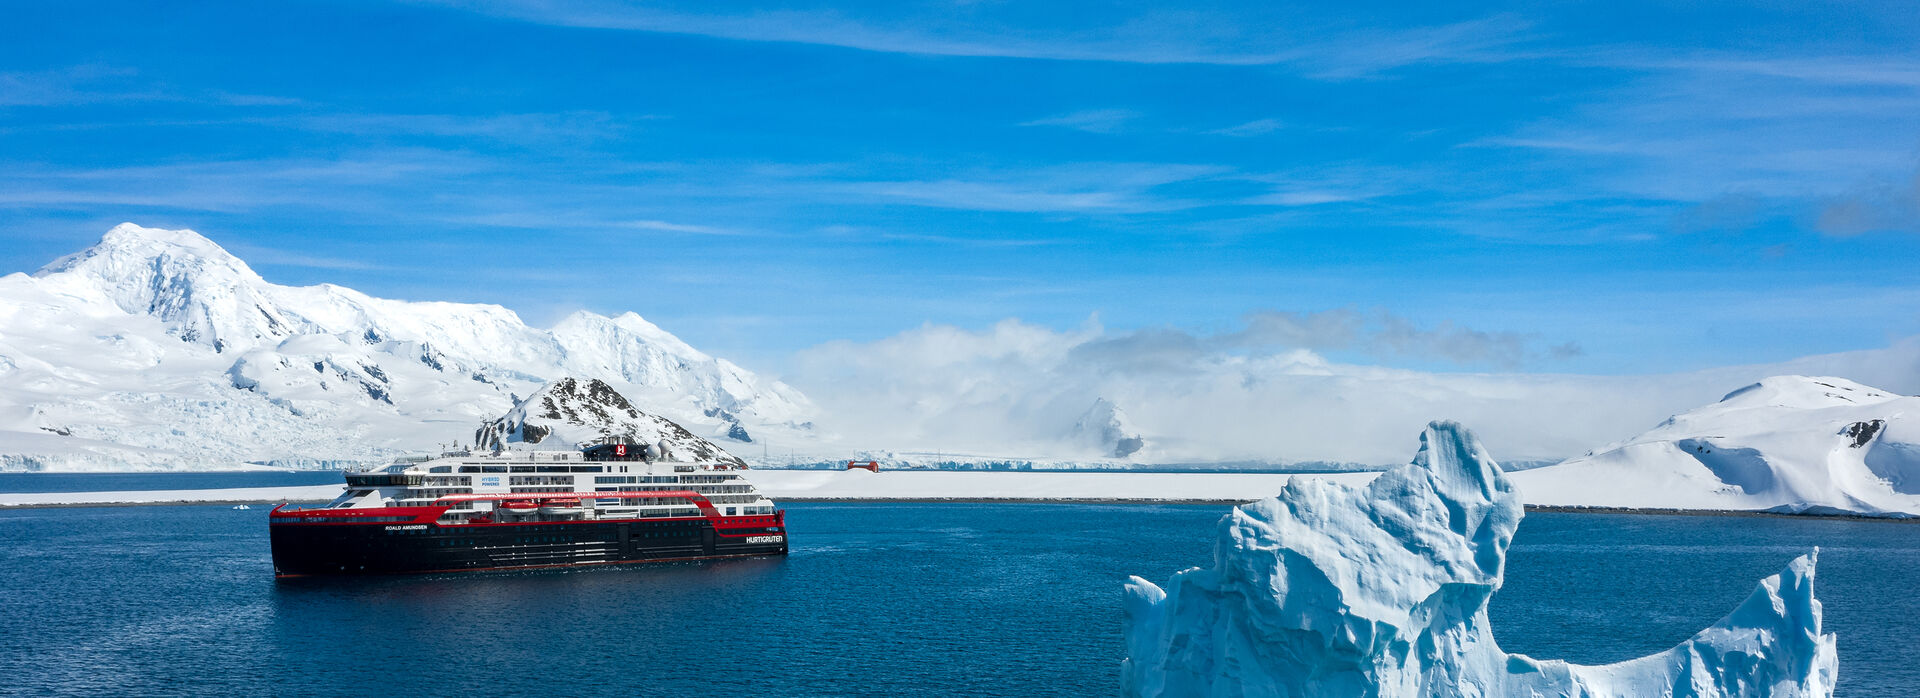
(412, 547)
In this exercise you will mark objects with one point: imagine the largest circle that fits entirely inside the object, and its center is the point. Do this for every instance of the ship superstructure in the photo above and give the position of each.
(469, 511)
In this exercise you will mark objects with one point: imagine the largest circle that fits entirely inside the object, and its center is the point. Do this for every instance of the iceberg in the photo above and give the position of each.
(1333, 590)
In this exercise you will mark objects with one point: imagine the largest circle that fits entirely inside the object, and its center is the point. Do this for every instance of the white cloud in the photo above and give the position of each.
(81, 84)
(1232, 35)
(1015, 389)
(1896, 71)
(1309, 197)
(667, 227)
(1265, 392)
(1256, 127)
(1090, 120)
(96, 84)
(1696, 129)
(355, 181)
(1883, 206)
(546, 128)
(259, 256)
(1116, 187)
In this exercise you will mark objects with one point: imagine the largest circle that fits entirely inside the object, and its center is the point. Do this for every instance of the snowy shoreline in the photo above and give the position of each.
(1531, 508)
(932, 487)
(1761, 513)
(228, 495)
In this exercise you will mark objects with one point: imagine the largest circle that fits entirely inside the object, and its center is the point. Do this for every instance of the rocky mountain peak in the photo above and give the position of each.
(572, 412)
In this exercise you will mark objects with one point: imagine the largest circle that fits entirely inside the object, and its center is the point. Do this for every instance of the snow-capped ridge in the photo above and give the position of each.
(131, 241)
(639, 352)
(570, 413)
(205, 294)
(1791, 444)
(1331, 590)
(170, 315)
(1804, 392)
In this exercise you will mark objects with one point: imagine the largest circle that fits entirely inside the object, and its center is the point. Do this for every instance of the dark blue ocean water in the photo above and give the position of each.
(125, 482)
(876, 599)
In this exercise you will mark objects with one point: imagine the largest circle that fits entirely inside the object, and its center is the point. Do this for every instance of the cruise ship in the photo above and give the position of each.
(466, 511)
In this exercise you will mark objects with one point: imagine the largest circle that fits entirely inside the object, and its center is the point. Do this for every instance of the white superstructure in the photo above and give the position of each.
(418, 482)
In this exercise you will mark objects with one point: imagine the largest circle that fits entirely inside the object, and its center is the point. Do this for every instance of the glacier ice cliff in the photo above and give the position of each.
(1330, 590)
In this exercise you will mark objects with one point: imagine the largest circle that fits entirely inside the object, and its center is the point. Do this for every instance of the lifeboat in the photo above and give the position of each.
(562, 507)
(519, 506)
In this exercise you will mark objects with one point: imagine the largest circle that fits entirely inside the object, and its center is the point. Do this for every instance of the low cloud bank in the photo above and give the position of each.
(1264, 392)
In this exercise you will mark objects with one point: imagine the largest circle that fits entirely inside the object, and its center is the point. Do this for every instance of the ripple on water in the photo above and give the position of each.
(898, 599)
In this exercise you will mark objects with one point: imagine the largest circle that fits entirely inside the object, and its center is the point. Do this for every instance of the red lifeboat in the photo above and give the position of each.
(562, 507)
(519, 506)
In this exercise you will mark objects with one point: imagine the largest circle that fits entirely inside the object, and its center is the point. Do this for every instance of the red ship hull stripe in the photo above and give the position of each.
(722, 525)
(544, 566)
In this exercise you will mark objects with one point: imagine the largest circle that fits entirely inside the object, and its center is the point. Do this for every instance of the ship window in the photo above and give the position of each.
(588, 469)
(493, 468)
(441, 469)
(469, 468)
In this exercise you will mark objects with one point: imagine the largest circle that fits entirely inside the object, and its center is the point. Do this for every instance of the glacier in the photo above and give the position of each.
(1333, 590)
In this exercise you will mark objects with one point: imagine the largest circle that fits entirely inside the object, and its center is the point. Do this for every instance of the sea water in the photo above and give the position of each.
(875, 599)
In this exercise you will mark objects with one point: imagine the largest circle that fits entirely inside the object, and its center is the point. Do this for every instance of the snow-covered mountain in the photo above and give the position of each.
(1787, 443)
(158, 348)
(1107, 431)
(570, 413)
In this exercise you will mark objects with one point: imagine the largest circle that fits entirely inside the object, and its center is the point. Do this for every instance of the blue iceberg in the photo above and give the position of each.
(1330, 590)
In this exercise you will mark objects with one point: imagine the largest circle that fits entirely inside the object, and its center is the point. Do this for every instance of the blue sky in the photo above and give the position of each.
(1607, 187)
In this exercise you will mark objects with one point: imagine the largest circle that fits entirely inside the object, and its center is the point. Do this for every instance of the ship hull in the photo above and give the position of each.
(307, 549)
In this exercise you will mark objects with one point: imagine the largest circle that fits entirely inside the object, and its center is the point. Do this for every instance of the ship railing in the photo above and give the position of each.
(698, 500)
(383, 479)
